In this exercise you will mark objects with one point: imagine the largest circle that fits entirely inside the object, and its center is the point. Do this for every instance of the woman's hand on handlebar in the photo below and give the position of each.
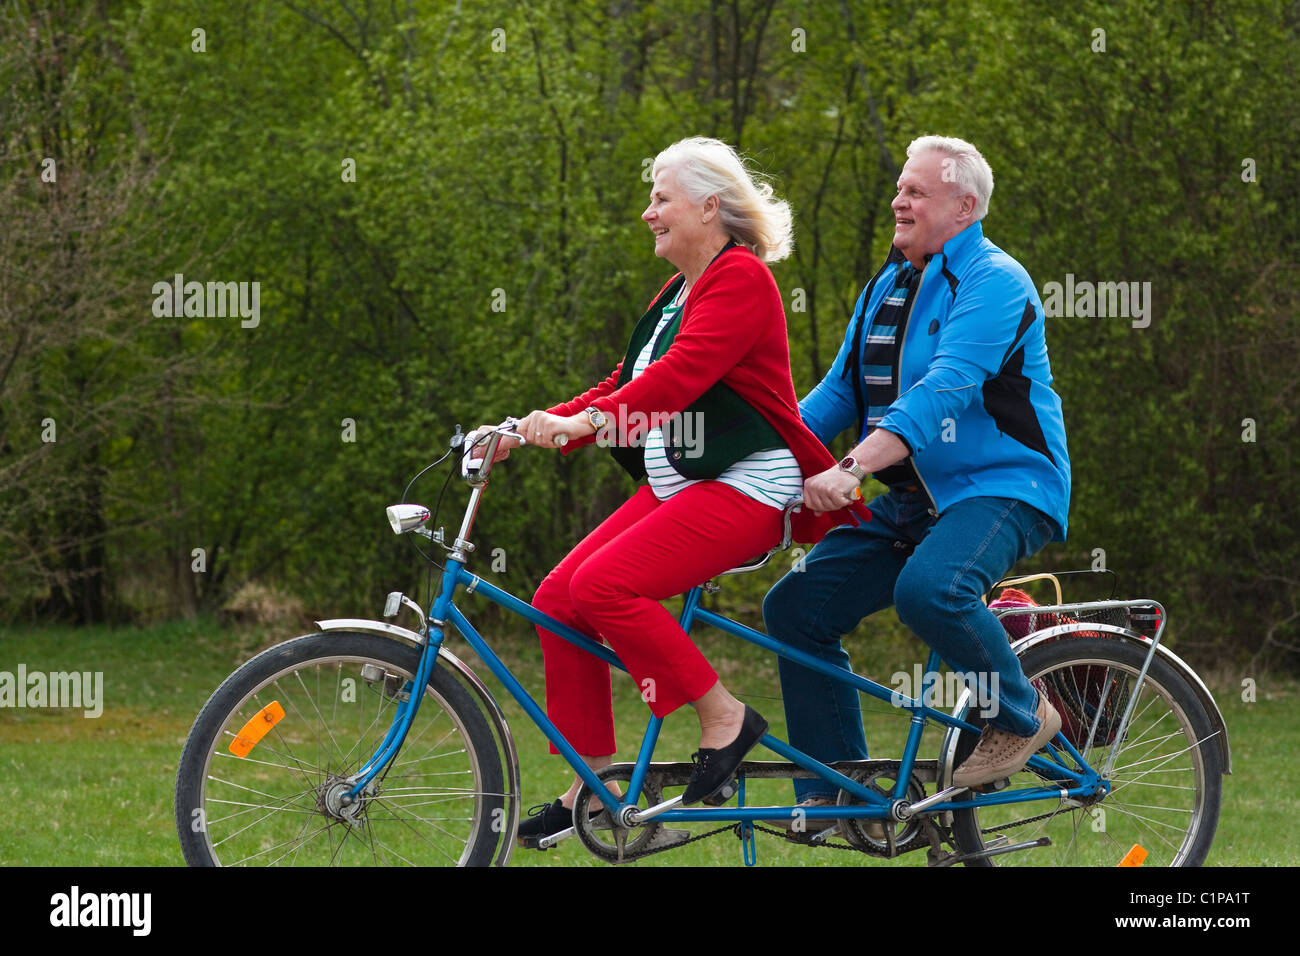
(503, 447)
(544, 429)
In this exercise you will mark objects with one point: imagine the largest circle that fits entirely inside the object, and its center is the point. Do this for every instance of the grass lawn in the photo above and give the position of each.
(99, 791)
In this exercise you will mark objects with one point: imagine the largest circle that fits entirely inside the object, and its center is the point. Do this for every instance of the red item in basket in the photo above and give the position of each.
(1016, 625)
(1075, 692)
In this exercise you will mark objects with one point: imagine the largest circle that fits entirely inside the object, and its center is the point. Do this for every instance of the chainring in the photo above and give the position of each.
(900, 837)
(605, 838)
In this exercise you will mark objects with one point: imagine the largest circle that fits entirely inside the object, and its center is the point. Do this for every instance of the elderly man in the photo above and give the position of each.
(944, 375)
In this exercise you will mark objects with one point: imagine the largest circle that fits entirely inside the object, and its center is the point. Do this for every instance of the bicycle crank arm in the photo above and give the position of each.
(545, 843)
(922, 805)
(640, 816)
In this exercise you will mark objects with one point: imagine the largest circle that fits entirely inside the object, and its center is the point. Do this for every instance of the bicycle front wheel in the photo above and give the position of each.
(1166, 780)
(329, 699)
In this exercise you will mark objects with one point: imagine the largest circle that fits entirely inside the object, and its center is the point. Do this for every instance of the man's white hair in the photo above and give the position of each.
(969, 170)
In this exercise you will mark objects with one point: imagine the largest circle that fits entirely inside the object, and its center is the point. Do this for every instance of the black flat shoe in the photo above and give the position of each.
(712, 779)
(545, 820)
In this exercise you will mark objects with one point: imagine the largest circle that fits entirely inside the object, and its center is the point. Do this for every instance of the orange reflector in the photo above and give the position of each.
(257, 728)
(1134, 857)
(857, 494)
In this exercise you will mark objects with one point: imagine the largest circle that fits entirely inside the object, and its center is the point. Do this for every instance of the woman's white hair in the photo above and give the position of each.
(748, 210)
(969, 170)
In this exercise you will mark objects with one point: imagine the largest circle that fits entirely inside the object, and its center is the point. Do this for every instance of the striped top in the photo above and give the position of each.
(771, 477)
(879, 353)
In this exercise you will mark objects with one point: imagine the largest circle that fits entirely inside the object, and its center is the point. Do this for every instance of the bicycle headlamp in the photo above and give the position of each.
(404, 518)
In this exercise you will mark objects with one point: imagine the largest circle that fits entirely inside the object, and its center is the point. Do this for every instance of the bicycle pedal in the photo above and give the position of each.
(721, 796)
(993, 786)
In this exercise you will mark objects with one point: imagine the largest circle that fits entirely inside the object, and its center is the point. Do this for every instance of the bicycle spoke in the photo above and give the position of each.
(255, 806)
(1149, 829)
(302, 718)
(1148, 783)
(365, 734)
(421, 835)
(277, 846)
(269, 796)
(319, 716)
(263, 747)
(273, 809)
(306, 823)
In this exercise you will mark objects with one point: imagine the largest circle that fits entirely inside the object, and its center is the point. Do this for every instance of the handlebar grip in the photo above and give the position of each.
(561, 439)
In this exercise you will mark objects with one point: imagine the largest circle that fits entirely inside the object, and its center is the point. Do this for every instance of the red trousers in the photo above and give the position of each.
(611, 585)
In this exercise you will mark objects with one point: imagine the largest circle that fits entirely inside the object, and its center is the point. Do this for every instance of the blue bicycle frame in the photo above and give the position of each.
(1079, 780)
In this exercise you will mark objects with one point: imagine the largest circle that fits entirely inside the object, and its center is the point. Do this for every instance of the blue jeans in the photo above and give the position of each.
(935, 572)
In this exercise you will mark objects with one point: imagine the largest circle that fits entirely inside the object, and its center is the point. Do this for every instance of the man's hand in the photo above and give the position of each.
(541, 428)
(833, 489)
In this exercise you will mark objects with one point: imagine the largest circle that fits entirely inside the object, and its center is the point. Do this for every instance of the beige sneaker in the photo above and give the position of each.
(810, 828)
(1000, 754)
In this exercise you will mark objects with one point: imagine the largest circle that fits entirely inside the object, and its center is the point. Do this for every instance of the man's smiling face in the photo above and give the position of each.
(927, 210)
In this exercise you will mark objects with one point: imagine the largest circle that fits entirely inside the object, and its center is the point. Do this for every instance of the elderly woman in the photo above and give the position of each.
(712, 345)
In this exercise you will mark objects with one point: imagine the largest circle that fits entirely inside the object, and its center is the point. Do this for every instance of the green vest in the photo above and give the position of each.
(729, 428)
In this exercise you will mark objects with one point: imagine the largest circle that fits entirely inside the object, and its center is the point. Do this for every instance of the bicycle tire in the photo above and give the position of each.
(449, 762)
(1173, 818)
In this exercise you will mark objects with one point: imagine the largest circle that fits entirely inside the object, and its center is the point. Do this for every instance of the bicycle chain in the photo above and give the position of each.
(676, 846)
(821, 843)
(735, 828)
(1019, 823)
(1026, 820)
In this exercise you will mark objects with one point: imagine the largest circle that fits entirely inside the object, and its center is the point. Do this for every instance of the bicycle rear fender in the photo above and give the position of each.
(1164, 653)
(476, 685)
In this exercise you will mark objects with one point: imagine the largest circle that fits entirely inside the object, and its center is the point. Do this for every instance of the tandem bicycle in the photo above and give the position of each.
(321, 751)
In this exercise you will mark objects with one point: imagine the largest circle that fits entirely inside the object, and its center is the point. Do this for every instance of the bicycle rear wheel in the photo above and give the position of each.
(440, 802)
(1166, 784)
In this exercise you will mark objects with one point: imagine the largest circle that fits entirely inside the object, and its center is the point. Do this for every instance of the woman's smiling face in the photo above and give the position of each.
(674, 219)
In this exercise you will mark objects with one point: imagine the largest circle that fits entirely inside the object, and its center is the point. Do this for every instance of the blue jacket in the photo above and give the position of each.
(975, 402)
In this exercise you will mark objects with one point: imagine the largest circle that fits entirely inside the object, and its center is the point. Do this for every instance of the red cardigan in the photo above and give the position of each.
(733, 330)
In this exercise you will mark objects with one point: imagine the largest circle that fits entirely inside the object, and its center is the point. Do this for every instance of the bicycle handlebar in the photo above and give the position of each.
(475, 470)
(482, 467)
